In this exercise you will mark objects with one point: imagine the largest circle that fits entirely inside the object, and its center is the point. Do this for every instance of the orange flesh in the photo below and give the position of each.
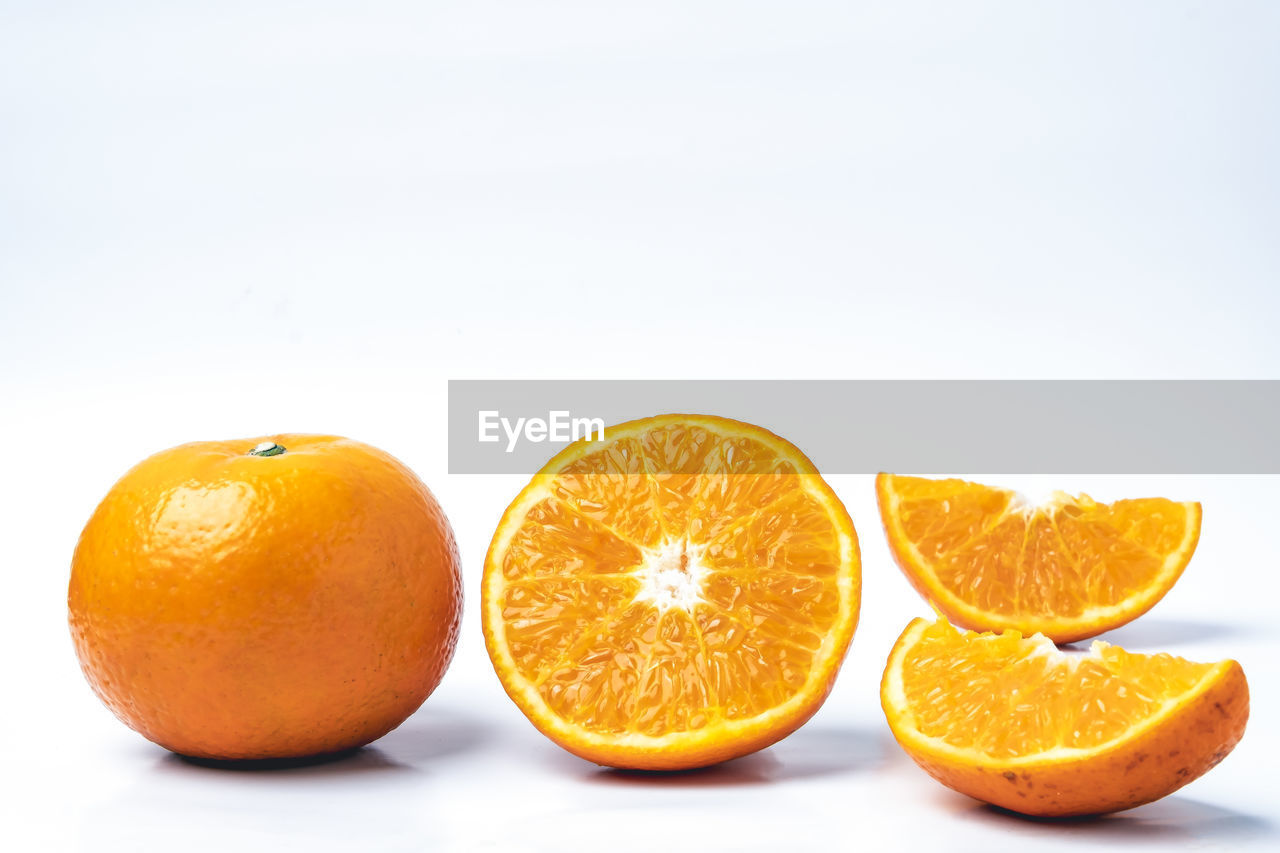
(1005, 696)
(641, 601)
(1059, 560)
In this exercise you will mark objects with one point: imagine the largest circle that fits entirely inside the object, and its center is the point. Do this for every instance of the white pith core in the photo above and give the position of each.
(1039, 500)
(672, 575)
(1068, 658)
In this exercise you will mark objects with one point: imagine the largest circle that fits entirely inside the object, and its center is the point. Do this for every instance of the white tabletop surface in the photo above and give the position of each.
(231, 219)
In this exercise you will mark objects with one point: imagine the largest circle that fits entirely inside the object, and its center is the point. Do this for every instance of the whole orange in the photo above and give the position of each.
(266, 598)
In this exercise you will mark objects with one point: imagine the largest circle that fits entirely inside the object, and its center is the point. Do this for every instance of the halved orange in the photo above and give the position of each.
(1018, 723)
(676, 595)
(1068, 568)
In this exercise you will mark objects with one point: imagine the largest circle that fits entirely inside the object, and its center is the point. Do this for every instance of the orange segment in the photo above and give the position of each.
(1020, 724)
(680, 594)
(1070, 568)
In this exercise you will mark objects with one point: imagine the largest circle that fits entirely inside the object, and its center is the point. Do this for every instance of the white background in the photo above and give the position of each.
(247, 217)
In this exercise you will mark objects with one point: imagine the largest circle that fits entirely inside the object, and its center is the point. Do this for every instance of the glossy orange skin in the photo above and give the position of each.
(230, 606)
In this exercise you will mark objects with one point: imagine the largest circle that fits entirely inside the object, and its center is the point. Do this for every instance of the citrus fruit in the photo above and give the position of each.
(1017, 722)
(678, 594)
(1068, 568)
(269, 597)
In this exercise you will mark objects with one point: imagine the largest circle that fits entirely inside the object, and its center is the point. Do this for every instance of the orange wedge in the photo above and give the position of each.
(1020, 724)
(678, 594)
(1068, 568)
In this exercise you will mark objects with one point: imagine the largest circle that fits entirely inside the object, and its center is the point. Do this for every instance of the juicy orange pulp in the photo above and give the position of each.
(1069, 568)
(1047, 699)
(679, 595)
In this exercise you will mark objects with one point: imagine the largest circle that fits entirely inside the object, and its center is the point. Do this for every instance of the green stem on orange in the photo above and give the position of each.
(267, 448)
